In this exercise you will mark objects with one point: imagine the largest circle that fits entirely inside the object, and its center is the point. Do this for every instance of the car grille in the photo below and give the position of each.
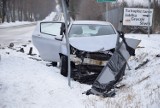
(98, 56)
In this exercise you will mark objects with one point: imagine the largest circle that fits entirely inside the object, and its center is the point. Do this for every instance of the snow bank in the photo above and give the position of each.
(54, 16)
(28, 83)
(50, 16)
(17, 23)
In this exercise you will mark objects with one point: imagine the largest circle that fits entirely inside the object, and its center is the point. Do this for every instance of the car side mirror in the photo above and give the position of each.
(62, 29)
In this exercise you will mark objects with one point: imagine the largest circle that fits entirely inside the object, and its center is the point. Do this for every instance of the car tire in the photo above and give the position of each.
(64, 66)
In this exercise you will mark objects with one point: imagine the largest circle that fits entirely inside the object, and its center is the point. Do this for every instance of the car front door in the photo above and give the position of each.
(47, 39)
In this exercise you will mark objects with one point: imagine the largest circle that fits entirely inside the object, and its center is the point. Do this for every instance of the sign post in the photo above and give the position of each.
(149, 4)
(137, 17)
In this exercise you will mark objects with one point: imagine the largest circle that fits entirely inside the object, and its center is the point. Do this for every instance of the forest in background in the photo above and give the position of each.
(25, 10)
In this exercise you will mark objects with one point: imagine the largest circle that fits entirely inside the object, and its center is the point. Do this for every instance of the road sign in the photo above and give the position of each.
(106, 1)
(137, 17)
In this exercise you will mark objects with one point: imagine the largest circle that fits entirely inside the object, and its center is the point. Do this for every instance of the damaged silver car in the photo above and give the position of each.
(99, 53)
(92, 44)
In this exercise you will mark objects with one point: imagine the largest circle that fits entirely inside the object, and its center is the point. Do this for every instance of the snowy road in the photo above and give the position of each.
(16, 34)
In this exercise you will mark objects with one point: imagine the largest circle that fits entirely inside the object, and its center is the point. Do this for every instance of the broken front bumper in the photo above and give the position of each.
(88, 61)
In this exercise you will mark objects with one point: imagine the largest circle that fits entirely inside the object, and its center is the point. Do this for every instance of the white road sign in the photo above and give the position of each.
(137, 17)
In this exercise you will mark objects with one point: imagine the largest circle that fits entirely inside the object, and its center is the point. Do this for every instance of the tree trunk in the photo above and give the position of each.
(3, 10)
(13, 12)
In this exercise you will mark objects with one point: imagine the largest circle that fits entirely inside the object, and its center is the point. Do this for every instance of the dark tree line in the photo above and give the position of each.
(25, 10)
(86, 9)
(33, 10)
(156, 15)
(74, 6)
(92, 10)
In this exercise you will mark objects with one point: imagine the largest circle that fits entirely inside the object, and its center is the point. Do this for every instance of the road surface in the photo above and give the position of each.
(16, 34)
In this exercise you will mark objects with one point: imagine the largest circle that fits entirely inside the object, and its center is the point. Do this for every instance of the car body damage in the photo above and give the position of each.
(92, 43)
(45, 39)
(114, 69)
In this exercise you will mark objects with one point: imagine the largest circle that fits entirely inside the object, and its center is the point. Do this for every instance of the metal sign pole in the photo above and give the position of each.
(107, 8)
(149, 3)
(67, 40)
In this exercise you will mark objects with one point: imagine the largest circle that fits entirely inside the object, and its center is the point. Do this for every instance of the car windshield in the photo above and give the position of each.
(81, 30)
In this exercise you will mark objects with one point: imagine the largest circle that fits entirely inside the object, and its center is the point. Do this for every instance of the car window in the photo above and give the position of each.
(80, 30)
(50, 28)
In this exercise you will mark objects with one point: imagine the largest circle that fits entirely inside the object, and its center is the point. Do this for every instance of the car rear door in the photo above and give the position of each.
(44, 39)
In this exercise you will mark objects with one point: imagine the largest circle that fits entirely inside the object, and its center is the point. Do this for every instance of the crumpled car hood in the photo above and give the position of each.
(95, 43)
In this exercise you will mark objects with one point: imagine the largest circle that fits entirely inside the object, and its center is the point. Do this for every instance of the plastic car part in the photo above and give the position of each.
(114, 70)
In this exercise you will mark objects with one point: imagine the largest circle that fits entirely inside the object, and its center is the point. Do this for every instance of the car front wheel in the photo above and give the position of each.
(64, 66)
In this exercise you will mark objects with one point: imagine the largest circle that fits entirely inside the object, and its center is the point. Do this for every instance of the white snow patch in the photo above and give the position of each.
(27, 83)
(17, 23)
(50, 16)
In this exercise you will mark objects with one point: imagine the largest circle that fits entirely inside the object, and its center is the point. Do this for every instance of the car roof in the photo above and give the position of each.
(91, 22)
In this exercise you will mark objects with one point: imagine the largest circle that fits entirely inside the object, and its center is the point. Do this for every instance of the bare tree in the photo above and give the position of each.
(1, 6)
(25, 10)
(74, 8)
(156, 15)
(91, 10)
(4, 8)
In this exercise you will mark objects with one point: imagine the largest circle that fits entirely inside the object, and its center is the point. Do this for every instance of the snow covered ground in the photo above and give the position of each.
(28, 83)
(17, 23)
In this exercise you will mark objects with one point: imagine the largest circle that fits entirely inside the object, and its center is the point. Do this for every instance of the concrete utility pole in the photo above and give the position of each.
(67, 40)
